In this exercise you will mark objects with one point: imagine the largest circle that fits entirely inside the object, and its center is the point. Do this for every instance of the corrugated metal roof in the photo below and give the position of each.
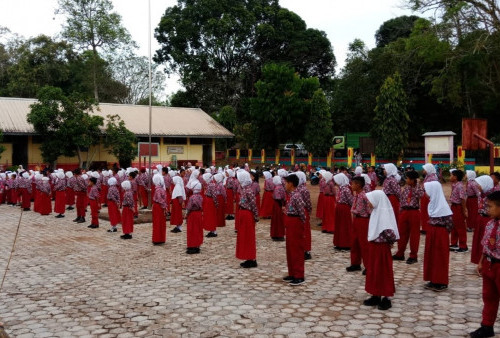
(439, 133)
(166, 121)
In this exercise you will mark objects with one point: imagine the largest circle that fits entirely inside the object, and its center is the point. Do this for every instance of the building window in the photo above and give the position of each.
(146, 139)
(200, 141)
(174, 140)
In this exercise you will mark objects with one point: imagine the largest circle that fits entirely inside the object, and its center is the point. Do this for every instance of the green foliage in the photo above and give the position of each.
(318, 132)
(65, 124)
(120, 141)
(219, 47)
(390, 124)
(393, 29)
(92, 25)
(282, 106)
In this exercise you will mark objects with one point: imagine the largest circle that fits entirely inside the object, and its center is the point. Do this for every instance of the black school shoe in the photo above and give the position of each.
(297, 282)
(372, 301)
(211, 234)
(307, 255)
(353, 268)
(69, 208)
(229, 217)
(93, 226)
(483, 331)
(176, 230)
(126, 236)
(60, 216)
(440, 287)
(249, 264)
(411, 261)
(398, 258)
(81, 220)
(385, 304)
(278, 239)
(461, 250)
(288, 279)
(112, 230)
(76, 219)
(191, 251)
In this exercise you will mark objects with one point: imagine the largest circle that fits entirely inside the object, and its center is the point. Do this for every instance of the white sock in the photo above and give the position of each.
(179, 227)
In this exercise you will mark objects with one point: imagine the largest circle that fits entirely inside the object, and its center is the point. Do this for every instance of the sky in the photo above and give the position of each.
(341, 20)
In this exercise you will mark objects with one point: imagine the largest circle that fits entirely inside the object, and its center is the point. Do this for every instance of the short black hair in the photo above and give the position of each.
(459, 174)
(132, 174)
(292, 178)
(496, 174)
(165, 170)
(77, 171)
(494, 197)
(93, 180)
(359, 180)
(412, 175)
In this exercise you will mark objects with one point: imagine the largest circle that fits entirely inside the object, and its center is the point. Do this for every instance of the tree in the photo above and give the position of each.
(120, 141)
(93, 24)
(2, 148)
(318, 132)
(219, 47)
(66, 125)
(133, 72)
(390, 124)
(393, 29)
(280, 109)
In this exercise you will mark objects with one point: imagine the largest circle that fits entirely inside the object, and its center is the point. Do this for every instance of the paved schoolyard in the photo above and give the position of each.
(68, 280)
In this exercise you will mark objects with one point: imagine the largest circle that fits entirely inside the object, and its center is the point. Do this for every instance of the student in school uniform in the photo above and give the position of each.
(329, 209)
(437, 240)
(458, 202)
(321, 198)
(246, 247)
(104, 187)
(266, 209)
(496, 181)
(342, 238)
(127, 211)
(231, 188)
(194, 227)
(221, 200)
(210, 206)
(159, 211)
(306, 197)
(60, 189)
(360, 210)
(94, 199)
(25, 190)
(392, 188)
(409, 219)
(373, 177)
(80, 189)
(37, 181)
(178, 198)
(295, 219)
(382, 233)
(45, 196)
(486, 186)
(489, 268)
(113, 202)
(70, 193)
(256, 187)
(277, 219)
(473, 193)
(143, 186)
(430, 175)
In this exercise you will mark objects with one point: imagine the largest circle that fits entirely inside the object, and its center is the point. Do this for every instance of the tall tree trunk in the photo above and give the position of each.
(94, 73)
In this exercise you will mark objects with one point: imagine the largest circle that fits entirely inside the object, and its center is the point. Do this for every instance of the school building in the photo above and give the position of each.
(179, 134)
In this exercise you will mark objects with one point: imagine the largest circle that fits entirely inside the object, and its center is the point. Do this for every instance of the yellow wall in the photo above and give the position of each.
(100, 153)
(485, 169)
(6, 159)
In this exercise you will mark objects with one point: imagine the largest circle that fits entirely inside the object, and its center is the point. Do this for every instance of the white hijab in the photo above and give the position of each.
(391, 169)
(429, 168)
(244, 178)
(341, 179)
(358, 170)
(112, 181)
(302, 177)
(207, 177)
(126, 185)
(196, 187)
(179, 188)
(368, 181)
(486, 183)
(219, 177)
(267, 175)
(382, 217)
(471, 175)
(282, 173)
(277, 180)
(158, 180)
(438, 207)
(327, 176)
(193, 179)
(230, 172)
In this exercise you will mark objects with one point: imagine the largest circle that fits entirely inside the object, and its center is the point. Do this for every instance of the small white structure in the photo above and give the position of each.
(438, 143)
